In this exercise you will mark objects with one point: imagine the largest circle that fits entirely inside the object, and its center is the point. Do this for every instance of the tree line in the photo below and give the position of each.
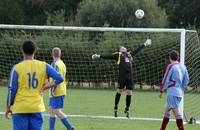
(113, 13)
(78, 46)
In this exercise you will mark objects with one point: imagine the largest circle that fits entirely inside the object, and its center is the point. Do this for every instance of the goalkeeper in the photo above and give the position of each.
(124, 60)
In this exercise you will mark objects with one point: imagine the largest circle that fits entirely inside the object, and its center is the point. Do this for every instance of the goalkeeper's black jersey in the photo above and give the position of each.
(124, 60)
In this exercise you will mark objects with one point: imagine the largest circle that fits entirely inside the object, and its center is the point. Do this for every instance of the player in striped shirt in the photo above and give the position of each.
(175, 81)
(26, 83)
(57, 94)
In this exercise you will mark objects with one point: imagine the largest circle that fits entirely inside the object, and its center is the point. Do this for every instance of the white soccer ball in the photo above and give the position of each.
(139, 13)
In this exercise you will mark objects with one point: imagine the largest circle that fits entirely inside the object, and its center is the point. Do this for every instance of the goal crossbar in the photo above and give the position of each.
(101, 29)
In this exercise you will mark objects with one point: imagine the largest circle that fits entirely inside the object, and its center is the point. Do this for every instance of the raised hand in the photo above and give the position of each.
(95, 56)
(147, 42)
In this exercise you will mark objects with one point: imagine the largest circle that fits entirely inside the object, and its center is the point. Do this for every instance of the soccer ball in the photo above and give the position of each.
(139, 13)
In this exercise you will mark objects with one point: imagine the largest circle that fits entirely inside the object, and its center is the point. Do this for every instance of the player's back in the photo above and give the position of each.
(178, 79)
(31, 78)
(61, 88)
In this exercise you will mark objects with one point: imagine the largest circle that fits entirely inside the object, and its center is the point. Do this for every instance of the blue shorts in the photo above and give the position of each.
(173, 102)
(56, 102)
(29, 121)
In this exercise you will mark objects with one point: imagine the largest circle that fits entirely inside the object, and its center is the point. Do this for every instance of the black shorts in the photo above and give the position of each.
(126, 83)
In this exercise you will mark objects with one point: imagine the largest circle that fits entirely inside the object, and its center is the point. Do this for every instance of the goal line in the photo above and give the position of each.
(112, 117)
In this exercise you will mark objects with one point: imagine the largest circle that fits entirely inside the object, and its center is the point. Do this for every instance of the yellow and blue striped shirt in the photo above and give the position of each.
(60, 89)
(26, 80)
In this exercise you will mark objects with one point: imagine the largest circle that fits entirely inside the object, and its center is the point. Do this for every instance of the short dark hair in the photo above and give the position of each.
(174, 55)
(29, 47)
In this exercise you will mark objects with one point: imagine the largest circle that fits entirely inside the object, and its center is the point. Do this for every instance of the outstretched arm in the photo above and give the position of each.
(138, 49)
(113, 56)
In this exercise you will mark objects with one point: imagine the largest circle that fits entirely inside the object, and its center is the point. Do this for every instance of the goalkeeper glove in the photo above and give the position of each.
(147, 42)
(95, 56)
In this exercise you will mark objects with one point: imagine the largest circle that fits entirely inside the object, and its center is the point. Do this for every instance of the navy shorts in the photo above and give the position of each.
(56, 102)
(126, 83)
(29, 121)
(173, 102)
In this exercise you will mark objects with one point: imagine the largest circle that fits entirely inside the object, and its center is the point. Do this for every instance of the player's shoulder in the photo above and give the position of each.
(14, 67)
(59, 62)
(171, 66)
(116, 53)
(27, 62)
(18, 65)
(39, 62)
(183, 66)
(179, 66)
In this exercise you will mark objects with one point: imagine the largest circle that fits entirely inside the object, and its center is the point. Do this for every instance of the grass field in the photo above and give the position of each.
(99, 102)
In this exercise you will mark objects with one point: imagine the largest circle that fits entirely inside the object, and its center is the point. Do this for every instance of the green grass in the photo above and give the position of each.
(100, 102)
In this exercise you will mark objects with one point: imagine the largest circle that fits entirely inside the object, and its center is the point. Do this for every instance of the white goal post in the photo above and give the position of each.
(182, 33)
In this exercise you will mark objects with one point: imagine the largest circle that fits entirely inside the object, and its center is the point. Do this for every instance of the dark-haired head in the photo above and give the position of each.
(29, 47)
(174, 55)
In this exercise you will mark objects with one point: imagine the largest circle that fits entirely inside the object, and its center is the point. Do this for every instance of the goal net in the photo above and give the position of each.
(79, 43)
(192, 61)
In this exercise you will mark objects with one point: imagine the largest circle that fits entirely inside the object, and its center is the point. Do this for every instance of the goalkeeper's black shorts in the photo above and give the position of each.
(126, 83)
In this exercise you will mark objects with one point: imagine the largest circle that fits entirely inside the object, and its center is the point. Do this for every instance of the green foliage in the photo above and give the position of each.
(182, 12)
(34, 11)
(70, 7)
(77, 48)
(11, 12)
(117, 13)
(120, 13)
(56, 18)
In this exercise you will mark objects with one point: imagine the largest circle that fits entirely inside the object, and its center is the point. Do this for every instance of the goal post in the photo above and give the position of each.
(182, 61)
(79, 43)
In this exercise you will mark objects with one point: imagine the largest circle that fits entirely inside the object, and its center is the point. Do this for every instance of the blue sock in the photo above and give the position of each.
(52, 121)
(66, 122)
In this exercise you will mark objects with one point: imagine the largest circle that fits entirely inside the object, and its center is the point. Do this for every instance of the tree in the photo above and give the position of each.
(182, 12)
(35, 11)
(11, 12)
(120, 13)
